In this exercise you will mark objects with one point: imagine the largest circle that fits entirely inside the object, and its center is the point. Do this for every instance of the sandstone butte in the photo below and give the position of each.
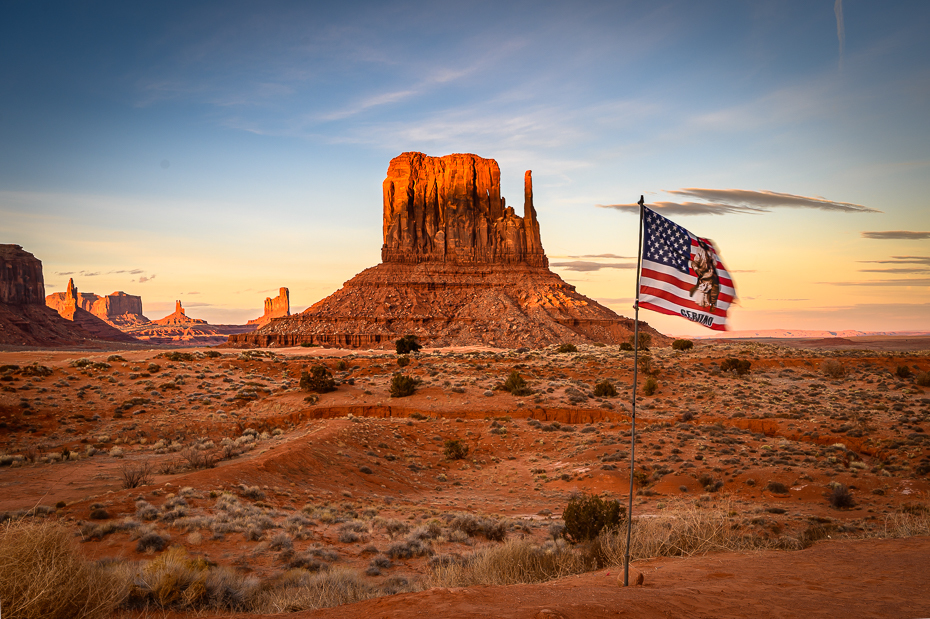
(25, 320)
(118, 309)
(276, 307)
(70, 309)
(458, 267)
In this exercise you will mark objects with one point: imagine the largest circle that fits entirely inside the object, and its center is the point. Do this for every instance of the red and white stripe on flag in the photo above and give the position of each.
(682, 274)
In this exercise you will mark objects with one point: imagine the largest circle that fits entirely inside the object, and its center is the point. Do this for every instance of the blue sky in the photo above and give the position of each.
(215, 151)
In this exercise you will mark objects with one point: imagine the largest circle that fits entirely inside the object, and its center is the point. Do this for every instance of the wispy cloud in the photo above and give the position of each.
(613, 256)
(903, 235)
(917, 281)
(740, 201)
(131, 272)
(585, 266)
(898, 270)
(143, 278)
(925, 260)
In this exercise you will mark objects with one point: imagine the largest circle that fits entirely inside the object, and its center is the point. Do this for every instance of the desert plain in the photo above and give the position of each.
(207, 482)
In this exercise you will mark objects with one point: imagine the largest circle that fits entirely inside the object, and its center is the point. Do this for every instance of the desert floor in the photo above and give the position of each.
(245, 470)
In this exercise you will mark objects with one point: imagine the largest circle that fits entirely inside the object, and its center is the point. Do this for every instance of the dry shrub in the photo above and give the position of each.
(833, 368)
(43, 575)
(907, 524)
(135, 476)
(513, 562)
(682, 532)
(299, 590)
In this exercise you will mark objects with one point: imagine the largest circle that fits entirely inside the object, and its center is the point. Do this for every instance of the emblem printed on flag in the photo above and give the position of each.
(682, 275)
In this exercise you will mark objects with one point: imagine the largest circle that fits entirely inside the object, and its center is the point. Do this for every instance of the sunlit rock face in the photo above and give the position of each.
(459, 268)
(118, 309)
(449, 209)
(276, 307)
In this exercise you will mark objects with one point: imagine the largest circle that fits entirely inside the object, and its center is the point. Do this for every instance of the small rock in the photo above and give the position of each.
(637, 578)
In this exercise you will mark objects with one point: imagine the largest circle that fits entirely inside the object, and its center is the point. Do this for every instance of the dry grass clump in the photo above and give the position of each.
(833, 368)
(913, 520)
(42, 575)
(682, 532)
(513, 562)
(300, 590)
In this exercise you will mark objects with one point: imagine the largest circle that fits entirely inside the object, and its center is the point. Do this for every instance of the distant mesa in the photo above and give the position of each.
(25, 320)
(277, 307)
(459, 267)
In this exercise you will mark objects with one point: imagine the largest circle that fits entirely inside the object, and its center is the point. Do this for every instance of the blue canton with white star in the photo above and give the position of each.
(665, 242)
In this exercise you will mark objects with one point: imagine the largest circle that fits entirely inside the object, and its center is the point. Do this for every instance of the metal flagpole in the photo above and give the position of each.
(629, 513)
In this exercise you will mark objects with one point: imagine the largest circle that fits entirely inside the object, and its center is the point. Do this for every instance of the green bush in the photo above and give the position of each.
(567, 348)
(587, 515)
(650, 386)
(923, 379)
(318, 380)
(902, 371)
(403, 361)
(682, 345)
(626, 346)
(740, 366)
(605, 389)
(402, 386)
(341, 366)
(516, 385)
(407, 345)
(454, 449)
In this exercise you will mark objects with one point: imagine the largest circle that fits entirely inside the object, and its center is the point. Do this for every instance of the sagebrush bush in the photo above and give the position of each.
(567, 348)
(402, 386)
(136, 475)
(776, 487)
(605, 389)
(902, 371)
(454, 449)
(318, 380)
(682, 345)
(833, 368)
(740, 366)
(840, 497)
(407, 345)
(626, 347)
(516, 385)
(43, 576)
(586, 515)
(645, 341)
(923, 379)
(403, 361)
(650, 386)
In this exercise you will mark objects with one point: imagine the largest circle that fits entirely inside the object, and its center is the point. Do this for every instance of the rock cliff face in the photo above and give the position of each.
(118, 309)
(275, 308)
(458, 268)
(70, 309)
(21, 280)
(449, 209)
(25, 320)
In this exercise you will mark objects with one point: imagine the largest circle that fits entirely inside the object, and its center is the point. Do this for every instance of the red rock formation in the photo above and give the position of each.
(70, 309)
(21, 281)
(25, 320)
(275, 308)
(458, 268)
(118, 309)
(449, 209)
(179, 317)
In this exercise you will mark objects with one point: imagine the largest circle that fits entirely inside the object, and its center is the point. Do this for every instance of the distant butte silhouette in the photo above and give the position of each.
(459, 267)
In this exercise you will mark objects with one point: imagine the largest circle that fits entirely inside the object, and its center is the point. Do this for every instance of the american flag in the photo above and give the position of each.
(682, 274)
